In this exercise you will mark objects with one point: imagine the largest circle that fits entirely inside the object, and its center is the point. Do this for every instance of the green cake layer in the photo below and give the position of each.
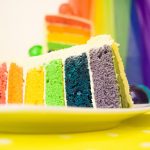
(52, 46)
(54, 83)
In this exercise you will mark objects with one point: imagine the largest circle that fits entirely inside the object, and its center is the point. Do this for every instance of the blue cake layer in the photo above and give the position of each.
(77, 80)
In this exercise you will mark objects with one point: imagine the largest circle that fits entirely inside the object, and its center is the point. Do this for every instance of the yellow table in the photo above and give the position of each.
(132, 134)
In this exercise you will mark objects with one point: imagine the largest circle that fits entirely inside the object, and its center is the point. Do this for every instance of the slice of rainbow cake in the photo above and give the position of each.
(89, 75)
(64, 31)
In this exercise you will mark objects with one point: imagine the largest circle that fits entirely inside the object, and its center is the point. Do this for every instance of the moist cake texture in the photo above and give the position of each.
(15, 84)
(77, 79)
(89, 75)
(106, 87)
(3, 83)
(34, 89)
(54, 83)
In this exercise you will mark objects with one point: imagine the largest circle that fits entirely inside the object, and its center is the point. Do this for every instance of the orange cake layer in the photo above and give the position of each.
(15, 84)
(68, 21)
(67, 38)
(34, 90)
(67, 29)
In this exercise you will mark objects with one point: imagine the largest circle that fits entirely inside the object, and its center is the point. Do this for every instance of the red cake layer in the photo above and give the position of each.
(68, 21)
(3, 83)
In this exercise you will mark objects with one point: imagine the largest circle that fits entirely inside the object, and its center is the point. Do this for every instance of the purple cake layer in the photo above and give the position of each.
(106, 90)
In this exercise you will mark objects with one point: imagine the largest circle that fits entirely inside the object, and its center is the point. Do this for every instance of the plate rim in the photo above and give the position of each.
(60, 109)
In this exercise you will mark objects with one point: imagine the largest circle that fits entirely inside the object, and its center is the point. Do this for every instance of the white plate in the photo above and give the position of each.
(42, 119)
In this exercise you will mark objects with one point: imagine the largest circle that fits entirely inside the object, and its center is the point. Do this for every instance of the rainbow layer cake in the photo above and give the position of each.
(64, 31)
(89, 75)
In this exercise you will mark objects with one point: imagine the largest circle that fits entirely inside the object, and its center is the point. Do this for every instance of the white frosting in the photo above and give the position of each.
(91, 80)
(44, 85)
(31, 62)
(63, 62)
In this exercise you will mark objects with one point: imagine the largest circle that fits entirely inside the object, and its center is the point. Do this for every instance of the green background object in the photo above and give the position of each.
(122, 19)
(35, 50)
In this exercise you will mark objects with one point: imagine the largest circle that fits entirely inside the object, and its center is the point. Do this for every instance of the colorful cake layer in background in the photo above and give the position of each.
(64, 31)
(89, 75)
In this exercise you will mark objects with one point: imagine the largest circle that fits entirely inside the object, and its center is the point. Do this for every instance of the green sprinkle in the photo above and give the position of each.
(35, 50)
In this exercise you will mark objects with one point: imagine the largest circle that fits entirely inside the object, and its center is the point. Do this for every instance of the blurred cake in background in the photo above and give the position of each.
(71, 26)
(65, 31)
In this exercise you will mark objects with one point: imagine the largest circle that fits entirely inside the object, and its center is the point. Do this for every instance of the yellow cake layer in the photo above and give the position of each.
(124, 86)
(67, 38)
(15, 84)
(34, 88)
(67, 29)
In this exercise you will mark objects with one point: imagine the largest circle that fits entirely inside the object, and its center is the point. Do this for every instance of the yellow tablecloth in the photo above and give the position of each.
(133, 134)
